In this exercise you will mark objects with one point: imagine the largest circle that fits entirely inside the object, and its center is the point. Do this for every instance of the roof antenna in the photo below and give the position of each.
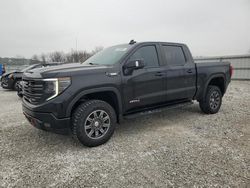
(132, 42)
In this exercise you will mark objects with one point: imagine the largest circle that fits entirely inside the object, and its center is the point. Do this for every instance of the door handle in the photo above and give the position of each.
(159, 74)
(189, 71)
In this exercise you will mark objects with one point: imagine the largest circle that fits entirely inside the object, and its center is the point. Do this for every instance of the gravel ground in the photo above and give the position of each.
(176, 148)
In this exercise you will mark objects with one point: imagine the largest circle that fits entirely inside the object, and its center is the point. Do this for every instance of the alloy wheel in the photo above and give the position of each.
(97, 124)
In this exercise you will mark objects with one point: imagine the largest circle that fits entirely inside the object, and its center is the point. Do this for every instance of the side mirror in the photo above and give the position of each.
(134, 64)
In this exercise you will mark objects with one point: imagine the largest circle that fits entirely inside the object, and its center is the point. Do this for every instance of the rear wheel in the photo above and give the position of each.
(93, 122)
(212, 100)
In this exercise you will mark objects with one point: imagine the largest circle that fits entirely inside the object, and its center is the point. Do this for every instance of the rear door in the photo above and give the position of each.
(190, 73)
(180, 75)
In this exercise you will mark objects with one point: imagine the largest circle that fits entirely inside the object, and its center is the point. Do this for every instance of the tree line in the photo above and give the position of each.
(70, 57)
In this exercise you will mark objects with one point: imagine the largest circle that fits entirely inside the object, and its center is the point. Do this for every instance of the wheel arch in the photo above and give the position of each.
(218, 80)
(108, 94)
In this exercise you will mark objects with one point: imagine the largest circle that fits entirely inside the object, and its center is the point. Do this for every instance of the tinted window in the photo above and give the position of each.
(174, 55)
(148, 54)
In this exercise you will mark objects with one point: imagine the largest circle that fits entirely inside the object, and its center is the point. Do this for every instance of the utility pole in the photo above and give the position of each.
(76, 44)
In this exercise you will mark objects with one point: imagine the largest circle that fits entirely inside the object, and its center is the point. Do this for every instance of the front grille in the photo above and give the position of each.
(33, 91)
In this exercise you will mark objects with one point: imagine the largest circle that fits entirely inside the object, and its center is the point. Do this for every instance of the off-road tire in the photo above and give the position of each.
(79, 118)
(205, 104)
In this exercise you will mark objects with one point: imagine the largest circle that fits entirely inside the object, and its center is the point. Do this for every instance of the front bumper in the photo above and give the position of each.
(47, 121)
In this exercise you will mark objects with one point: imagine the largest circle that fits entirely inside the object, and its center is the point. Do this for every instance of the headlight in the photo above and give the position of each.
(55, 86)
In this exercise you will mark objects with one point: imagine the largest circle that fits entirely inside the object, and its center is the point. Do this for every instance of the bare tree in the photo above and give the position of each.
(57, 56)
(44, 58)
(83, 56)
(71, 57)
(77, 56)
(35, 57)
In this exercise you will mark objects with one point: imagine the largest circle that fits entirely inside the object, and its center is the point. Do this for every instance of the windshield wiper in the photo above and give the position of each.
(93, 63)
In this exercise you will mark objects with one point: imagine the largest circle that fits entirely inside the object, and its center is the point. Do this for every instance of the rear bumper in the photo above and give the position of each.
(47, 121)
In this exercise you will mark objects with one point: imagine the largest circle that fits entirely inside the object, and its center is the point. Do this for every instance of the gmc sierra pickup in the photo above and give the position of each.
(120, 82)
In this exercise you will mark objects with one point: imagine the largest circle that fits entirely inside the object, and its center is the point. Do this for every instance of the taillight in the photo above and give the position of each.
(231, 70)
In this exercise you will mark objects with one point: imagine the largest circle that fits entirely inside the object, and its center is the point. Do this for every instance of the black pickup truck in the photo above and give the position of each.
(120, 82)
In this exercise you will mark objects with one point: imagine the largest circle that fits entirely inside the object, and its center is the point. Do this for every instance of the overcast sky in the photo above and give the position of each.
(208, 27)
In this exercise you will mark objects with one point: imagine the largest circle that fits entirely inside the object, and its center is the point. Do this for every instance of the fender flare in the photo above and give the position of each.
(94, 90)
(217, 75)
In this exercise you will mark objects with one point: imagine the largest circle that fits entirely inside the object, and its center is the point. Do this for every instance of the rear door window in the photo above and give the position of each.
(174, 55)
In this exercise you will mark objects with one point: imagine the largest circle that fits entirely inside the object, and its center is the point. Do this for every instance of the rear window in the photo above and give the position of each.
(174, 55)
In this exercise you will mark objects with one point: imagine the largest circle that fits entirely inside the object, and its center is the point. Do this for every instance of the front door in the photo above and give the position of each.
(144, 87)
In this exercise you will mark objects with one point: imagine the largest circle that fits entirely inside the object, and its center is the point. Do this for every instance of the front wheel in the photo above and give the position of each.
(93, 122)
(212, 100)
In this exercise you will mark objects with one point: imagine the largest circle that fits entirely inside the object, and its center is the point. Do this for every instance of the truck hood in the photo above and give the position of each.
(65, 70)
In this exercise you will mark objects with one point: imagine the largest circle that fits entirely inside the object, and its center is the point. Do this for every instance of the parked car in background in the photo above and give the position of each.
(11, 80)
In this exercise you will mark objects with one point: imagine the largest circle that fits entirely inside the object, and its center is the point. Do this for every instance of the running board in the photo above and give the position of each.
(157, 110)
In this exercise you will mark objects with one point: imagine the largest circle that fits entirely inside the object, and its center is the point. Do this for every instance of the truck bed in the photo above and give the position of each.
(206, 71)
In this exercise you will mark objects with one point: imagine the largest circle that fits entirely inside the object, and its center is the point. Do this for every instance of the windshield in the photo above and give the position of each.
(108, 56)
